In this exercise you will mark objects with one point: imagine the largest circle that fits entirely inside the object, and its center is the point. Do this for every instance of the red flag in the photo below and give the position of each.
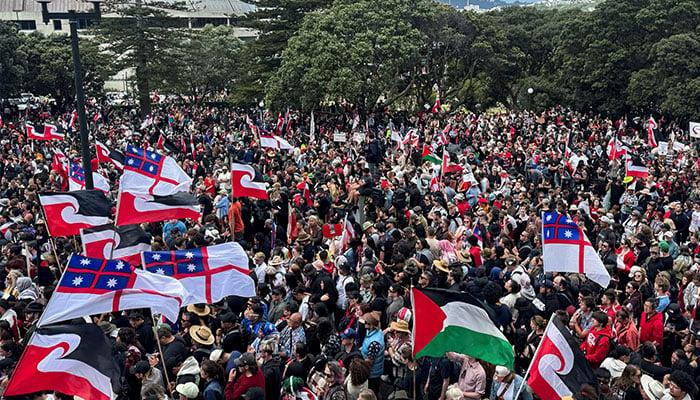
(69, 212)
(247, 181)
(651, 125)
(559, 368)
(436, 107)
(135, 209)
(280, 123)
(332, 230)
(292, 226)
(72, 359)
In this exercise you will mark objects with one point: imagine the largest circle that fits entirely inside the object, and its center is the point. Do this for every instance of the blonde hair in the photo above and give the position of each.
(453, 392)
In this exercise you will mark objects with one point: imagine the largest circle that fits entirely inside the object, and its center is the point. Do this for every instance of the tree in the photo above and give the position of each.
(144, 38)
(49, 64)
(13, 61)
(359, 51)
(207, 62)
(276, 21)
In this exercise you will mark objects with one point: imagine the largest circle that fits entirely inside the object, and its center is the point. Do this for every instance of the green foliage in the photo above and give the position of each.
(13, 61)
(276, 21)
(207, 61)
(144, 38)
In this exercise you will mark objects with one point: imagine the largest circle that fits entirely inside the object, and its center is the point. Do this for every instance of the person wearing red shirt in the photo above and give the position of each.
(610, 305)
(597, 343)
(235, 219)
(246, 375)
(651, 325)
(626, 330)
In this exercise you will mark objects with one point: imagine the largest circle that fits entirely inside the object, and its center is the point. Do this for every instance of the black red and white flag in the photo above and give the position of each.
(115, 242)
(247, 181)
(559, 367)
(69, 212)
(635, 167)
(46, 132)
(138, 208)
(110, 155)
(72, 359)
(167, 144)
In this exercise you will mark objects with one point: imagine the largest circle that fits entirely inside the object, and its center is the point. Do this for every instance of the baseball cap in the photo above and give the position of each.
(245, 359)
(348, 333)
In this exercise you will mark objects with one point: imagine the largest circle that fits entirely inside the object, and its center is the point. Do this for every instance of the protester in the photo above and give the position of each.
(347, 297)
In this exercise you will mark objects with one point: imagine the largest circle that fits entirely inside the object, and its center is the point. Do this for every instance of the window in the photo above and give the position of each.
(26, 25)
(198, 23)
(57, 25)
(84, 23)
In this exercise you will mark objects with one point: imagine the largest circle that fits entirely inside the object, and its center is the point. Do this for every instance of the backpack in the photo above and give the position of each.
(613, 344)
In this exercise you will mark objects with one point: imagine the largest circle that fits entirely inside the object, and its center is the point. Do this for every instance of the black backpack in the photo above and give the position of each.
(613, 344)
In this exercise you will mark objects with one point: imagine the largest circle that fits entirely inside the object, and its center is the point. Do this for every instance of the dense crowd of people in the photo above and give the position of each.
(333, 320)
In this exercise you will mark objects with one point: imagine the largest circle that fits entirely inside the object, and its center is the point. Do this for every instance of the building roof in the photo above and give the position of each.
(198, 7)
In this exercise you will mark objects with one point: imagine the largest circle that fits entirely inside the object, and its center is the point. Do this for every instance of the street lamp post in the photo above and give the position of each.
(72, 17)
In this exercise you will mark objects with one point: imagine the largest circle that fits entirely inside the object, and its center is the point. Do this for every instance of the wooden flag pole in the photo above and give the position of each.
(160, 351)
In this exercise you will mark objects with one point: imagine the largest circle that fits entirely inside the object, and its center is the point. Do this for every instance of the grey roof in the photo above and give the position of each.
(200, 7)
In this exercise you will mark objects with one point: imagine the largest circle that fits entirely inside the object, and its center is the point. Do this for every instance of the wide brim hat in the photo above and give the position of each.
(202, 335)
(303, 237)
(441, 265)
(200, 309)
(400, 326)
(276, 260)
(464, 256)
(653, 388)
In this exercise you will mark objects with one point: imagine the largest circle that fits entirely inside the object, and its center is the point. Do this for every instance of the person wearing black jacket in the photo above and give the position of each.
(144, 331)
(272, 370)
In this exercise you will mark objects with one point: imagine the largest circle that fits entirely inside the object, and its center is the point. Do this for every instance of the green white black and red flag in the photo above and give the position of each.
(447, 320)
(430, 155)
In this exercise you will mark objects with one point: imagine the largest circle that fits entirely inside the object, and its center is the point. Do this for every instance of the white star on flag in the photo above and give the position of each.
(84, 261)
(153, 156)
(548, 233)
(131, 161)
(119, 266)
(111, 283)
(568, 234)
(150, 168)
(156, 257)
(160, 271)
(549, 218)
(77, 281)
(189, 254)
(569, 220)
(191, 267)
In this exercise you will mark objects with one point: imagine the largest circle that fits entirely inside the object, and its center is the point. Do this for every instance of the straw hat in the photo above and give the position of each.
(200, 309)
(303, 237)
(441, 265)
(276, 260)
(464, 256)
(400, 326)
(202, 334)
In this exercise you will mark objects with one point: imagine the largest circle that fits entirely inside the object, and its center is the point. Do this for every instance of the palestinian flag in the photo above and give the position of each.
(447, 320)
(429, 154)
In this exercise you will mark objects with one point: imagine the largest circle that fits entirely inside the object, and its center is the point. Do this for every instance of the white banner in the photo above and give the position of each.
(339, 137)
(694, 129)
(663, 148)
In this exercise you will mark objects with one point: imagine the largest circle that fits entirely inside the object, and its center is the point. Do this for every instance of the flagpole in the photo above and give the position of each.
(413, 339)
(534, 357)
(160, 350)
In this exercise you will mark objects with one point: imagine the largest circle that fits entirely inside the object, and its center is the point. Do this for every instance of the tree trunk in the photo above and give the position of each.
(142, 77)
